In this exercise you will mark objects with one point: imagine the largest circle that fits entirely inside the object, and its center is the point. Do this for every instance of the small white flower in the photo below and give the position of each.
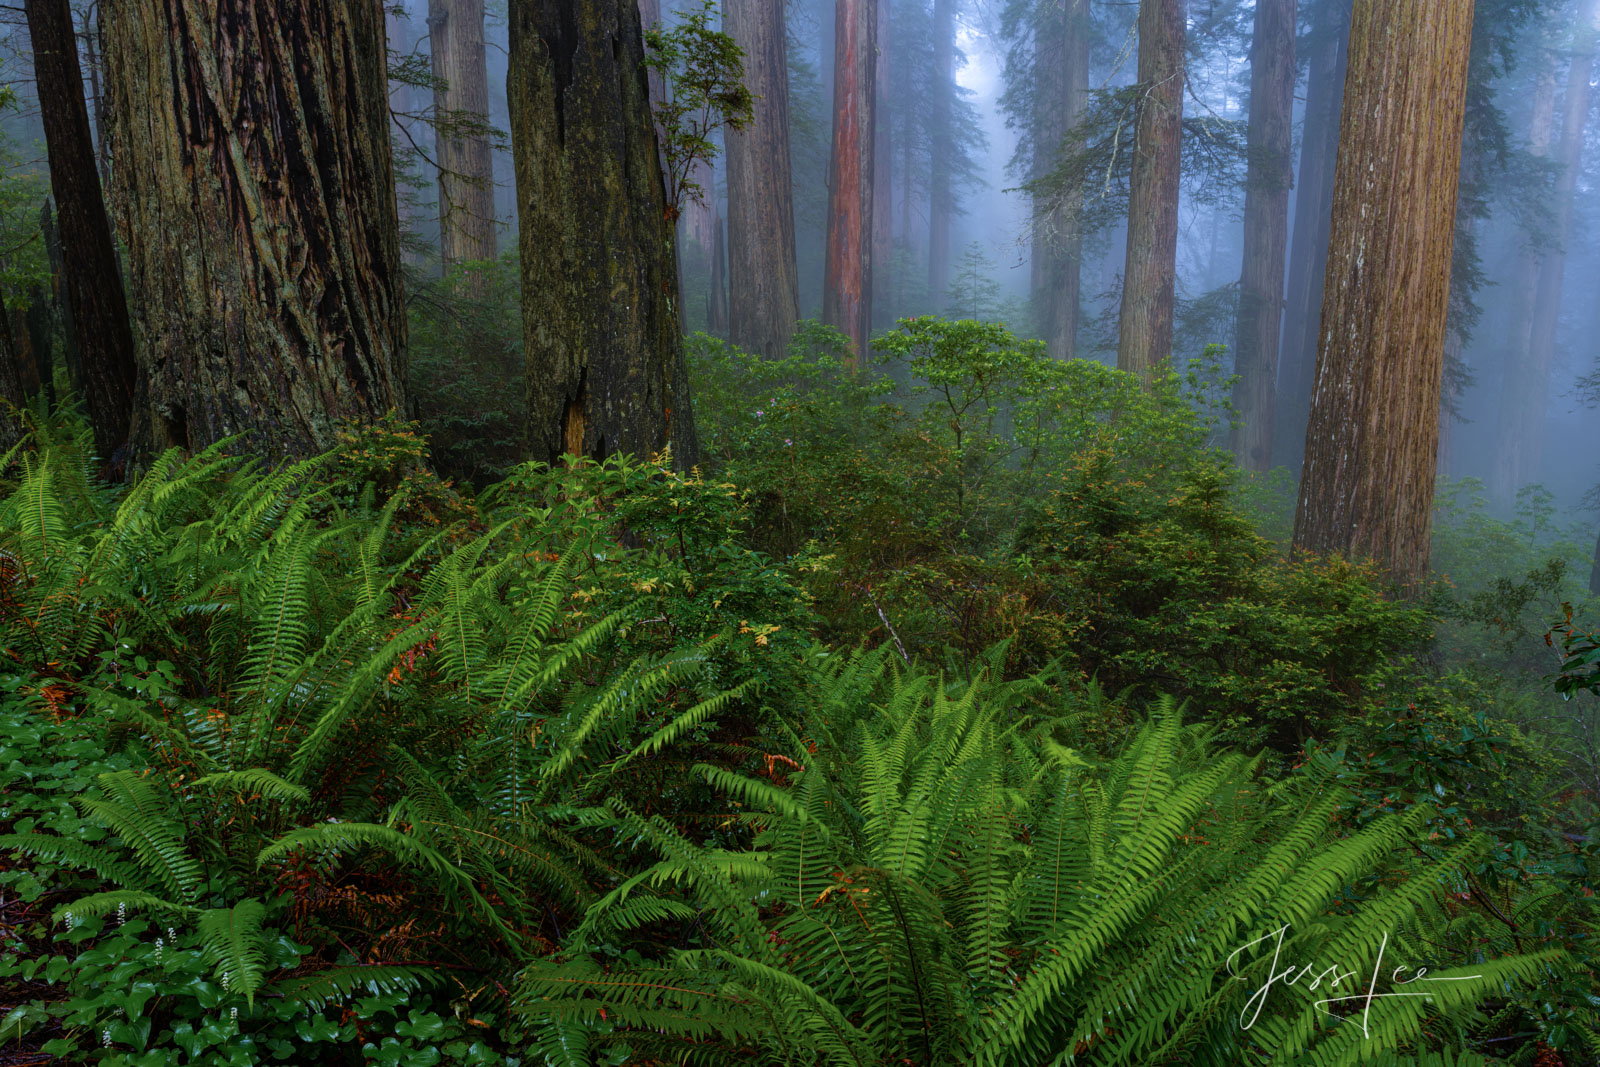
(122, 913)
(105, 1037)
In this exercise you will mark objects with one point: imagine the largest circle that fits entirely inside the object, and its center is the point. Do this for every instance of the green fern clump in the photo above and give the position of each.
(936, 879)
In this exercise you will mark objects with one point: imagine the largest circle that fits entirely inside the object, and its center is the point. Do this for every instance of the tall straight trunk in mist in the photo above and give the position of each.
(763, 277)
(1552, 271)
(883, 176)
(107, 374)
(1308, 256)
(1270, 171)
(941, 139)
(1149, 278)
(1061, 66)
(847, 280)
(253, 164)
(605, 369)
(1509, 460)
(463, 153)
(1371, 446)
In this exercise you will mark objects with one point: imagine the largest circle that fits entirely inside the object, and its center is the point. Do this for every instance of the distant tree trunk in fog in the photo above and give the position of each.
(253, 161)
(1372, 444)
(1535, 383)
(94, 71)
(883, 177)
(1308, 258)
(941, 193)
(1270, 171)
(1515, 392)
(847, 282)
(105, 352)
(1144, 330)
(763, 278)
(605, 369)
(465, 158)
(1061, 65)
(717, 303)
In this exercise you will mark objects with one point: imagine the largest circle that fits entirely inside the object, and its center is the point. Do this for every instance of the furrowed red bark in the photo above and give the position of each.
(1371, 448)
(1149, 279)
(253, 165)
(763, 279)
(467, 228)
(93, 281)
(1266, 231)
(847, 282)
(605, 369)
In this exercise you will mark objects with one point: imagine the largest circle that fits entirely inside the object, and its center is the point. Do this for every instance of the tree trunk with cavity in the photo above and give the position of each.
(605, 369)
(1061, 65)
(1149, 278)
(763, 278)
(1371, 448)
(93, 278)
(1270, 172)
(253, 164)
(467, 228)
(847, 283)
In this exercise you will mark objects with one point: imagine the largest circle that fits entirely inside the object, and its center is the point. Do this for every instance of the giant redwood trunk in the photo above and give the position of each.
(1149, 279)
(92, 279)
(1061, 65)
(941, 141)
(463, 153)
(1371, 447)
(605, 370)
(883, 177)
(1270, 170)
(257, 193)
(1308, 256)
(847, 282)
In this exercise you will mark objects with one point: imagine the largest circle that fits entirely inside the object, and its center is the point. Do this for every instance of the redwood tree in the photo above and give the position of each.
(1266, 230)
(941, 147)
(605, 370)
(257, 196)
(93, 280)
(464, 154)
(1061, 67)
(1367, 486)
(1149, 279)
(847, 282)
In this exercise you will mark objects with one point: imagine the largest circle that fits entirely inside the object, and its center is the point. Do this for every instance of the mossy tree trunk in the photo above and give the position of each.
(1371, 447)
(1149, 278)
(605, 370)
(1270, 172)
(253, 165)
(106, 371)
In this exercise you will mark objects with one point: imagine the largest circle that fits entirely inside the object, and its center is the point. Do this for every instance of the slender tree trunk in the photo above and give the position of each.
(12, 399)
(1266, 230)
(883, 176)
(1372, 443)
(1144, 331)
(847, 284)
(91, 54)
(1061, 64)
(1509, 462)
(605, 369)
(1535, 384)
(941, 195)
(89, 259)
(253, 161)
(63, 300)
(764, 281)
(1308, 262)
(717, 310)
(467, 229)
